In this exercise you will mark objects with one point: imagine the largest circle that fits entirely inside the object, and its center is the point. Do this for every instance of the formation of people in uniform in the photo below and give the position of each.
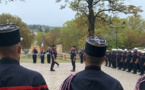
(13, 76)
(42, 55)
(53, 53)
(130, 60)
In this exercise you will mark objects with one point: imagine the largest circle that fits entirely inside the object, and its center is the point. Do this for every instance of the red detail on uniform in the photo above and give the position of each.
(24, 88)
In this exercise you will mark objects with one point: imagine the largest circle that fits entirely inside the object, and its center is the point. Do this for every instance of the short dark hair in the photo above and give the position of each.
(94, 60)
(74, 46)
(8, 50)
(53, 45)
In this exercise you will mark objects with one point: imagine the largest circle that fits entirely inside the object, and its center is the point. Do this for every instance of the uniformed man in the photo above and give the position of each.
(34, 54)
(125, 60)
(119, 58)
(73, 57)
(92, 78)
(129, 62)
(42, 56)
(135, 60)
(142, 63)
(48, 55)
(113, 58)
(109, 57)
(139, 54)
(12, 75)
(106, 58)
(54, 56)
(81, 55)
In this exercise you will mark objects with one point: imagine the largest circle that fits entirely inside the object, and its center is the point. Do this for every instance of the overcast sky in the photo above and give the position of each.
(47, 12)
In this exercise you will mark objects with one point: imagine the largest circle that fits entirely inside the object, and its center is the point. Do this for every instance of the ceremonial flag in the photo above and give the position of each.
(42, 47)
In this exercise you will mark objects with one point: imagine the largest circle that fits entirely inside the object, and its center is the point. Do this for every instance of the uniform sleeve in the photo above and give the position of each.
(41, 83)
(75, 53)
(118, 87)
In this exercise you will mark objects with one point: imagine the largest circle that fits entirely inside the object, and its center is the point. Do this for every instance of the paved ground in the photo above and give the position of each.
(54, 79)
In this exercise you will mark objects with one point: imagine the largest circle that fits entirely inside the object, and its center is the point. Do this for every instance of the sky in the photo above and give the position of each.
(48, 12)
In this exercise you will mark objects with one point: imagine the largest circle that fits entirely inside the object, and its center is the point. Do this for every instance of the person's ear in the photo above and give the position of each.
(19, 49)
(84, 57)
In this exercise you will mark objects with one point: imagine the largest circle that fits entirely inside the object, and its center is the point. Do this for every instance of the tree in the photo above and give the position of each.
(6, 1)
(50, 38)
(93, 9)
(28, 37)
(132, 39)
(136, 23)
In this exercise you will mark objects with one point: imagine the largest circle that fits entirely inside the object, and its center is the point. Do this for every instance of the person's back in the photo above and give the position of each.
(92, 78)
(12, 75)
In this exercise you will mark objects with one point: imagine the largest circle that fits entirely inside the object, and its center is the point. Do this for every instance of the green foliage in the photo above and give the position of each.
(25, 32)
(50, 38)
(74, 34)
(95, 10)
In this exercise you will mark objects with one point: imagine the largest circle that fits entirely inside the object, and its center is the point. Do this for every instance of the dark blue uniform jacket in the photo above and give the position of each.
(129, 56)
(54, 52)
(15, 77)
(113, 57)
(92, 78)
(73, 53)
(135, 56)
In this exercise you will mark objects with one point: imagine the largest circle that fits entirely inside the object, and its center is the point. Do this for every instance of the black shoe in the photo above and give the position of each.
(134, 73)
(128, 71)
(123, 70)
(119, 68)
(52, 70)
(72, 70)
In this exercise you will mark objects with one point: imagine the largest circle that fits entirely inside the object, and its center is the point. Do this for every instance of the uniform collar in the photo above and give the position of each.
(93, 68)
(8, 61)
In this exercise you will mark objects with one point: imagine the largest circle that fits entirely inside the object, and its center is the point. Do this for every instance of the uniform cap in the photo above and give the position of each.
(143, 51)
(135, 48)
(9, 35)
(125, 49)
(96, 46)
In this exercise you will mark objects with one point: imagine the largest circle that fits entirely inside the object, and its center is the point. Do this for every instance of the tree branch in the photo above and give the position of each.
(101, 18)
(96, 2)
(110, 10)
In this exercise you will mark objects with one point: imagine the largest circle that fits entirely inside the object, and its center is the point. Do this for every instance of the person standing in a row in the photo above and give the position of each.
(107, 54)
(42, 56)
(129, 60)
(81, 55)
(113, 59)
(73, 57)
(34, 54)
(109, 58)
(54, 56)
(125, 60)
(48, 55)
(142, 63)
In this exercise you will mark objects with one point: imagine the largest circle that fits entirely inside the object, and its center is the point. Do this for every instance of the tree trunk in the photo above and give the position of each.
(91, 18)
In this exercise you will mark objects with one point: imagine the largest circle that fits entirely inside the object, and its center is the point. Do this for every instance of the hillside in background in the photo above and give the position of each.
(40, 28)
